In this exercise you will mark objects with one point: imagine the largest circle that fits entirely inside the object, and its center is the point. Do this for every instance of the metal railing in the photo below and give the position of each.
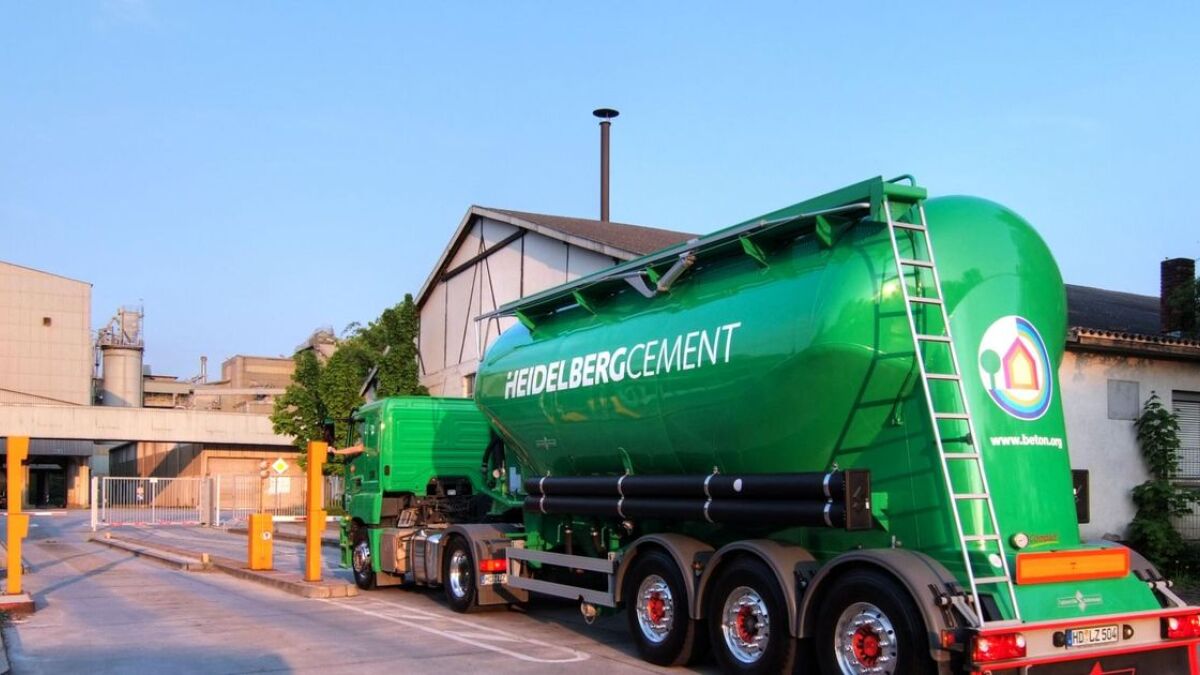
(212, 500)
(151, 501)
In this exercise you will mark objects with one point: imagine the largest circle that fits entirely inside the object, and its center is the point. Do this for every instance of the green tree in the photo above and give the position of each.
(331, 391)
(396, 336)
(300, 412)
(340, 382)
(1159, 499)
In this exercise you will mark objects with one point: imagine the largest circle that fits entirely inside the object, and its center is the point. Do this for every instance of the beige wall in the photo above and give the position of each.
(450, 339)
(241, 372)
(170, 460)
(1108, 447)
(42, 363)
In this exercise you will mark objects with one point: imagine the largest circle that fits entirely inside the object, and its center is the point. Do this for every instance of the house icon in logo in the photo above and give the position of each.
(1020, 367)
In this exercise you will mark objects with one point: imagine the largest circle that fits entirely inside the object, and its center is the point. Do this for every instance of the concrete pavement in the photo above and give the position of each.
(106, 611)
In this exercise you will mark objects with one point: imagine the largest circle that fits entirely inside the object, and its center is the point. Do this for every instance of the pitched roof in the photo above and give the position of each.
(1112, 311)
(637, 239)
(622, 241)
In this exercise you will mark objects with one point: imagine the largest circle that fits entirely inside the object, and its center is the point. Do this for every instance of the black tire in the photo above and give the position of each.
(459, 576)
(889, 609)
(361, 559)
(751, 640)
(655, 597)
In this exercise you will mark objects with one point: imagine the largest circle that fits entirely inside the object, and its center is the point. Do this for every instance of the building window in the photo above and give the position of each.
(1124, 400)
(469, 385)
(1187, 407)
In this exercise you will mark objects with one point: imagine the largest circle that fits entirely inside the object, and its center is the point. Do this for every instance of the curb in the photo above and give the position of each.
(167, 558)
(288, 582)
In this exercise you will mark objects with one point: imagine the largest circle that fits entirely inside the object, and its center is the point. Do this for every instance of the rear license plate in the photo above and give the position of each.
(1093, 635)
(492, 579)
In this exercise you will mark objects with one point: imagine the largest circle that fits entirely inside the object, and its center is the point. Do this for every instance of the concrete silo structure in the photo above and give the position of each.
(121, 348)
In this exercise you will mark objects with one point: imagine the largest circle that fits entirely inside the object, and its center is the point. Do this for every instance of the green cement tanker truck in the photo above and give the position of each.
(801, 441)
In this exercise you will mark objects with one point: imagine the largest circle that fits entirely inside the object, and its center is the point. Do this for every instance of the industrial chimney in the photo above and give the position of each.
(606, 116)
(1175, 316)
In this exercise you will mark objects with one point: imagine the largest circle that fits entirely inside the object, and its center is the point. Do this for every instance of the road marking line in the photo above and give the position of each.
(475, 641)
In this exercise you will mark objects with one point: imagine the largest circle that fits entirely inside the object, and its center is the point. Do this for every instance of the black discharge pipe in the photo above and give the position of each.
(839, 499)
(801, 513)
(815, 485)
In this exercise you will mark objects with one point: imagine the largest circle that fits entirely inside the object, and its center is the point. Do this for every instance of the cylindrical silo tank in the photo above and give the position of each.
(121, 381)
(785, 346)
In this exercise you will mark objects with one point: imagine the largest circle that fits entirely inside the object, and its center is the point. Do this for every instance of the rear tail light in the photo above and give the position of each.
(1180, 627)
(493, 566)
(998, 647)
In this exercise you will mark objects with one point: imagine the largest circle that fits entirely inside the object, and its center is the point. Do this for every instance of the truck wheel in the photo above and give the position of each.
(360, 560)
(458, 575)
(657, 604)
(870, 625)
(748, 621)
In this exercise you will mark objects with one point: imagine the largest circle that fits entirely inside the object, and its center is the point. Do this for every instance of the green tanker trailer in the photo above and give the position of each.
(805, 439)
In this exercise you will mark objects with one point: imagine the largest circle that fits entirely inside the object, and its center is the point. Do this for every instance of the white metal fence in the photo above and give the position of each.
(213, 500)
(151, 501)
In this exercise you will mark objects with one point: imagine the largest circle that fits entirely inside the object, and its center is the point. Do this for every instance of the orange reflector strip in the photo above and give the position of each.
(1048, 568)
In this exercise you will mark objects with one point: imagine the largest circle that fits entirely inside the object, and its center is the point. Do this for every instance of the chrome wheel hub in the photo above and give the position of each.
(459, 574)
(361, 557)
(746, 624)
(655, 608)
(865, 641)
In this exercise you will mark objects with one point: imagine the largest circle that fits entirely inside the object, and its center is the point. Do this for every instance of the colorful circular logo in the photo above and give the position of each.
(1015, 367)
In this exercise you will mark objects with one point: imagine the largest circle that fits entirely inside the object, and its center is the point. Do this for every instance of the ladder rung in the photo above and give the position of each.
(991, 580)
(951, 416)
(942, 376)
(933, 338)
(971, 495)
(960, 455)
(909, 226)
(981, 537)
(916, 263)
(927, 301)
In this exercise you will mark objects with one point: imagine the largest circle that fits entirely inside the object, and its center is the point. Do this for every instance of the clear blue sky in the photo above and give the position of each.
(251, 171)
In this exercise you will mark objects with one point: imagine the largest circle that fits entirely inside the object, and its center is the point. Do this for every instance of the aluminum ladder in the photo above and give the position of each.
(990, 537)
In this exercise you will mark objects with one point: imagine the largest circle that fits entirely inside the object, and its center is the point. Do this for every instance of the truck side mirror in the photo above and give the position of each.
(328, 433)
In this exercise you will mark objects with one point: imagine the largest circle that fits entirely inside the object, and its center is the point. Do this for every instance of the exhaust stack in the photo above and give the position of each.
(606, 116)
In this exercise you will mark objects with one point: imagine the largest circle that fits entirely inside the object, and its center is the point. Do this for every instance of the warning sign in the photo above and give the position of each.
(280, 466)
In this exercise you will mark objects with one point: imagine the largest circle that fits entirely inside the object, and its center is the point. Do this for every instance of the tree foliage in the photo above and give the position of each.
(1159, 500)
(299, 412)
(331, 390)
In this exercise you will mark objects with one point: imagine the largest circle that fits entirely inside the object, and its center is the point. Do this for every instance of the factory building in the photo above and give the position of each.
(56, 376)
(45, 337)
(46, 359)
(497, 256)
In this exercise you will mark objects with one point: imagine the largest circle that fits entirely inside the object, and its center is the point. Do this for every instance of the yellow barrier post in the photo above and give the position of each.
(261, 544)
(18, 523)
(318, 451)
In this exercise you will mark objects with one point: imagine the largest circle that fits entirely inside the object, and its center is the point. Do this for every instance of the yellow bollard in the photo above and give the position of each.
(18, 523)
(318, 451)
(261, 544)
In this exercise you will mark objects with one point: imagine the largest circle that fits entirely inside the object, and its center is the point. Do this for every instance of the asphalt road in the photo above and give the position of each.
(105, 611)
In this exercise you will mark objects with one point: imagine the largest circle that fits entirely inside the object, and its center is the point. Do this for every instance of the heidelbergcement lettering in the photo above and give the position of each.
(686, 351)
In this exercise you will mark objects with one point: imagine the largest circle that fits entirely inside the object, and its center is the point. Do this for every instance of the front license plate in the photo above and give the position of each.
(1094, 635)
(493, 579)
